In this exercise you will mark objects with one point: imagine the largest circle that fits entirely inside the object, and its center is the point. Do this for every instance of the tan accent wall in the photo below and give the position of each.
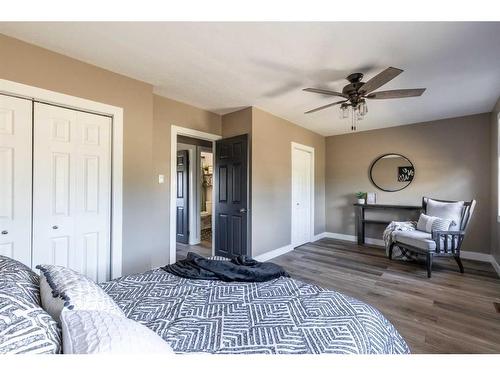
(168, 112)
(272, 179)
(495, 225)
(237, 123)
(452, 161)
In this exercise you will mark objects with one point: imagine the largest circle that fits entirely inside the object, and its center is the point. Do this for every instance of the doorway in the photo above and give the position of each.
(189, 214)
(302, 230)
(194, 196)
(225, 219)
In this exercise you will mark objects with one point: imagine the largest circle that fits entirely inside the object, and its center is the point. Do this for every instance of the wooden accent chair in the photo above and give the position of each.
(438, 243)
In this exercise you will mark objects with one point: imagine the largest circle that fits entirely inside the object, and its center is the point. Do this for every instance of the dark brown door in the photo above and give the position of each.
(231, 197)
(182, 206)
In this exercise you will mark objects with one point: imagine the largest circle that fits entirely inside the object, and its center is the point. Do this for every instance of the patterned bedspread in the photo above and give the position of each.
(279, 316)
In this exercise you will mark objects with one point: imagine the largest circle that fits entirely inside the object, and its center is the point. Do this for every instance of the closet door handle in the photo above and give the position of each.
(5, 232)
(55, 227)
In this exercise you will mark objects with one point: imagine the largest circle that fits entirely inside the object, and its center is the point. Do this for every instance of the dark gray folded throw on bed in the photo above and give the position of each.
(241, 268)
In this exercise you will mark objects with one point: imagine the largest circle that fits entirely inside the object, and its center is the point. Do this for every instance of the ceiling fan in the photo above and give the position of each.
(356, 93)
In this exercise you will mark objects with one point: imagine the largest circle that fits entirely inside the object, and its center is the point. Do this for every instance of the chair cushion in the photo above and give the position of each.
(428, 223)
(450, 211)
(416, 238)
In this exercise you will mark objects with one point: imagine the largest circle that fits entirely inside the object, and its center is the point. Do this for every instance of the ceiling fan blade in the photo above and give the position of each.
(395, 94)
(380, 80)
(325, 92)
(325, 106)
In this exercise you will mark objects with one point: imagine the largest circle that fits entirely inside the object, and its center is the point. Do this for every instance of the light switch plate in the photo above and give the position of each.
(161, 179)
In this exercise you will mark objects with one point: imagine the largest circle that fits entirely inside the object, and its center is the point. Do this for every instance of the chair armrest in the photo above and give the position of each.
(452, 240)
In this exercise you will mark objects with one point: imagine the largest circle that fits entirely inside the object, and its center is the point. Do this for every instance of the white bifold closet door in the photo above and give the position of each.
(72, 190)
(15, 178)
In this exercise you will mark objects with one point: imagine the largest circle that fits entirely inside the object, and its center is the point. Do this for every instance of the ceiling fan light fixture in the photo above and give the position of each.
(363, 108)
(344, 111)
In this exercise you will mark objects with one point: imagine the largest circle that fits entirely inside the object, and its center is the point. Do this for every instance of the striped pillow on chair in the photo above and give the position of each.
(428, 223)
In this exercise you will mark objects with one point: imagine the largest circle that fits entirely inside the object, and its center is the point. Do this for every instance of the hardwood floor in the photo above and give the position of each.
(449, 313)
(203, 248)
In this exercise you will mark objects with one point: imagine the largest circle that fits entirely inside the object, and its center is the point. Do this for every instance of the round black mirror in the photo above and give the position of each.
(392, 172)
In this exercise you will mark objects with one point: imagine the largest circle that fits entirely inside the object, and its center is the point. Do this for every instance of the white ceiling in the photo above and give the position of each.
(222, 67)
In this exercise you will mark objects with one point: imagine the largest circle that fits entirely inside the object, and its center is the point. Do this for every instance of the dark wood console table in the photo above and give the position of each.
(361, 221)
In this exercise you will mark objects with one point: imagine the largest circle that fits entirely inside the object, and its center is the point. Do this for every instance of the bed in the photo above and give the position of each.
(282, 316)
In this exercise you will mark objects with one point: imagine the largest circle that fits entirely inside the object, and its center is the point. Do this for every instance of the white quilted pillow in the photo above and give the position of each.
(62, 288)
(99, 332)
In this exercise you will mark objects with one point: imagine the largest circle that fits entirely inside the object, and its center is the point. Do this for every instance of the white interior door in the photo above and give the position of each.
(72, 190)
(15, 178)
(302, 195)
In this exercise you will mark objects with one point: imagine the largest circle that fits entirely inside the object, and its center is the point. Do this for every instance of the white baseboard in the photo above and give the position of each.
(273, 253)
(472, 255)
(495, 265)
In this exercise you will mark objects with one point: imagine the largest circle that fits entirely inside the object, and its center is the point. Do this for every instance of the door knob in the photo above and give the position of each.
(5, 232)
(55, 227)
(243, 210)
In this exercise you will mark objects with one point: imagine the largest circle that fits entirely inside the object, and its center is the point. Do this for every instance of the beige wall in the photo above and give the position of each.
(272, 179)
(31, 65)
(271, 166)
(495, 226)
(146, 142)
(237, 123)
(168, 112)
(147, 122)
(451, 159)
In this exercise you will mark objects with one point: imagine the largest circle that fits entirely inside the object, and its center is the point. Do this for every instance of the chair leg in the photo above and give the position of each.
(459, 262)
(429, 265)
(390, 250)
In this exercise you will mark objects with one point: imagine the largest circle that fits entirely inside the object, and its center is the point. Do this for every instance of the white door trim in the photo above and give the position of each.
(116, 113)
(298, 146)
(174, 132)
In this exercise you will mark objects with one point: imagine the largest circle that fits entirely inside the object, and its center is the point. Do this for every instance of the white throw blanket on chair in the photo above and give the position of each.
(394, 226)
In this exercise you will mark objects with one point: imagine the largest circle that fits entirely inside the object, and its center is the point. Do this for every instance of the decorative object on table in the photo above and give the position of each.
(353, 104)
(361, 197)
(391, 172)
(371, 198)
(456, 214)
